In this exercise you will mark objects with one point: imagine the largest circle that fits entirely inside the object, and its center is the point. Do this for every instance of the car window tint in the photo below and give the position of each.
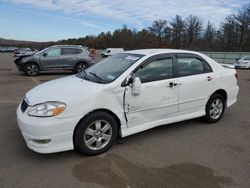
(207, 68)
(157, 70)
(190, 66)
(54, 52)
(71, 51)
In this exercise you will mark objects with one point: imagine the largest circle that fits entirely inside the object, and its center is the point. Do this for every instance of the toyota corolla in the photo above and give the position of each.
(122, 95)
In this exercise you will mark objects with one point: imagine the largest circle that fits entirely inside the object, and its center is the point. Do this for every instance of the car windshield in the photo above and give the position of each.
(43, 50)
(110, 69)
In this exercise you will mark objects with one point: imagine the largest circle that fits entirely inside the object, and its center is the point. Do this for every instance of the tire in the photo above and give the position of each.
(80, 67)
(215, 108)
(31, 69)
(95, 134)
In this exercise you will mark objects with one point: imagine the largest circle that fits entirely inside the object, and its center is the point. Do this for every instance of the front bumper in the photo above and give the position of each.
(19, 65)
(47, 135)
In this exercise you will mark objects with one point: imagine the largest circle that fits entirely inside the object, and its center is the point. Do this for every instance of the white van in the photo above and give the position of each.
(112, 51)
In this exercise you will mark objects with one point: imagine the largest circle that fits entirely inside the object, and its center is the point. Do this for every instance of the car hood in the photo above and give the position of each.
(67, 89)
(24, 55)
(26, 58)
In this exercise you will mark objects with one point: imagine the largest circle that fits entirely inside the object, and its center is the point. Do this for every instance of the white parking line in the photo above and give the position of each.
(34, 80)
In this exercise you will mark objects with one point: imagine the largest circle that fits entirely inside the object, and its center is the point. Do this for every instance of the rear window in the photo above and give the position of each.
(71, 51)
(188, 66)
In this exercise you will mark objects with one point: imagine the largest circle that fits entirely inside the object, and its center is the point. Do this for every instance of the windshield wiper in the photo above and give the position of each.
(94, 74)
(86, 75)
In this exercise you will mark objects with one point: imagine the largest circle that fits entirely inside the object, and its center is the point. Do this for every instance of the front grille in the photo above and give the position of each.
(24, 106)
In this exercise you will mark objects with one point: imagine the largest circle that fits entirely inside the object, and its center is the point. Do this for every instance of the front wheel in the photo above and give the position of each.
(31, 69)
(215, 108)
(96, 133)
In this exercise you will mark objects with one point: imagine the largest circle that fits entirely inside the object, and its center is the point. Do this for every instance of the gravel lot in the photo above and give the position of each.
(187, 154)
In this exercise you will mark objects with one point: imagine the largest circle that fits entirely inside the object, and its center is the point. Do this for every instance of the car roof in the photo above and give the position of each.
(158, 51)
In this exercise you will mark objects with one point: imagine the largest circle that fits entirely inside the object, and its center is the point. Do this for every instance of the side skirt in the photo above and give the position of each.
(126, 131)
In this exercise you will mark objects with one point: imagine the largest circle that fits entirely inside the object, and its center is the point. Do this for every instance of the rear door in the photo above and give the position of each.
(196, 79)
(51, 58)
(70, 56)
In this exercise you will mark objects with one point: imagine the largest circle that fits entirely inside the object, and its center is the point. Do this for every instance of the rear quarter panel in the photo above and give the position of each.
(224, 79)
(227, 81)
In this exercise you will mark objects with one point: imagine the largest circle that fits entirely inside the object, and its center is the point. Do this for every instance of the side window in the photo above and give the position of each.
(54, 52)
(70, 51)
(191, 66)
(207, 68)
(157, 70)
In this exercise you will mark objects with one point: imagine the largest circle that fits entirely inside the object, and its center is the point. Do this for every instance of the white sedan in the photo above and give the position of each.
(122, 95)
(243, 63)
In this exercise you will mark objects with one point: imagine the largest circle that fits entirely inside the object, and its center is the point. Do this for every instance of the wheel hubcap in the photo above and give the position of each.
(98, 134)
(81, 67)
(32, 70)
(216, 109)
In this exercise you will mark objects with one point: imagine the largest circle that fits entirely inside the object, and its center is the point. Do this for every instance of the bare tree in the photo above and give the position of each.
(177, 27)
(209, 33)
(158, 29)
(193, 28)
(229, 32)
(243, 23)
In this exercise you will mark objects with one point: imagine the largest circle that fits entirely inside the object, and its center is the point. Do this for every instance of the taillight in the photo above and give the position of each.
(237, 75)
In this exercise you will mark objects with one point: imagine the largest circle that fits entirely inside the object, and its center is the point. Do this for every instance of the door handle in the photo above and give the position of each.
(172, 84)
(209, 78)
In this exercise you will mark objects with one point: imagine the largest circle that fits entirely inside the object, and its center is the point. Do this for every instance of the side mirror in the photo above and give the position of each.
(136, 86)
(128, 81)
(45, 54)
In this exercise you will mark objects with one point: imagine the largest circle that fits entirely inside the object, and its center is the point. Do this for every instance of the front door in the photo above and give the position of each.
(158, 99)
(51, 59)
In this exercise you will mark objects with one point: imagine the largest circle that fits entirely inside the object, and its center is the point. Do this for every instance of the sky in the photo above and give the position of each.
(51, 20)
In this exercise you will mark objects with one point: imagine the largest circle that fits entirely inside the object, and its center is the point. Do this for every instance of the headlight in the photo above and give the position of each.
(47, 109)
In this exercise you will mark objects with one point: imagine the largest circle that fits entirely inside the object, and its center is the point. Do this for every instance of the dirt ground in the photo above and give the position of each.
(187, 154)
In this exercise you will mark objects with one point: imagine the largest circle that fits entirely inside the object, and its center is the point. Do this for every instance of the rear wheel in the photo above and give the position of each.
(96, 133)
(31, 69)
(215, 108)
(80, 67)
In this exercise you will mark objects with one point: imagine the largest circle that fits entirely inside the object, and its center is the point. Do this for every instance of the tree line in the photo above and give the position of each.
(187, 33)
(233, 34)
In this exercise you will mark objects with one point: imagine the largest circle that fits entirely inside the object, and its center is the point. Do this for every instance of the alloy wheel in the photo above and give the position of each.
(216, 109)
(32, 70)
(98, 134)
(81, 67)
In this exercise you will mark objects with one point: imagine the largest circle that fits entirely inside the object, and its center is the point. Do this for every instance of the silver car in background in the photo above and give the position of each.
(58, 57)
(243, 63)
